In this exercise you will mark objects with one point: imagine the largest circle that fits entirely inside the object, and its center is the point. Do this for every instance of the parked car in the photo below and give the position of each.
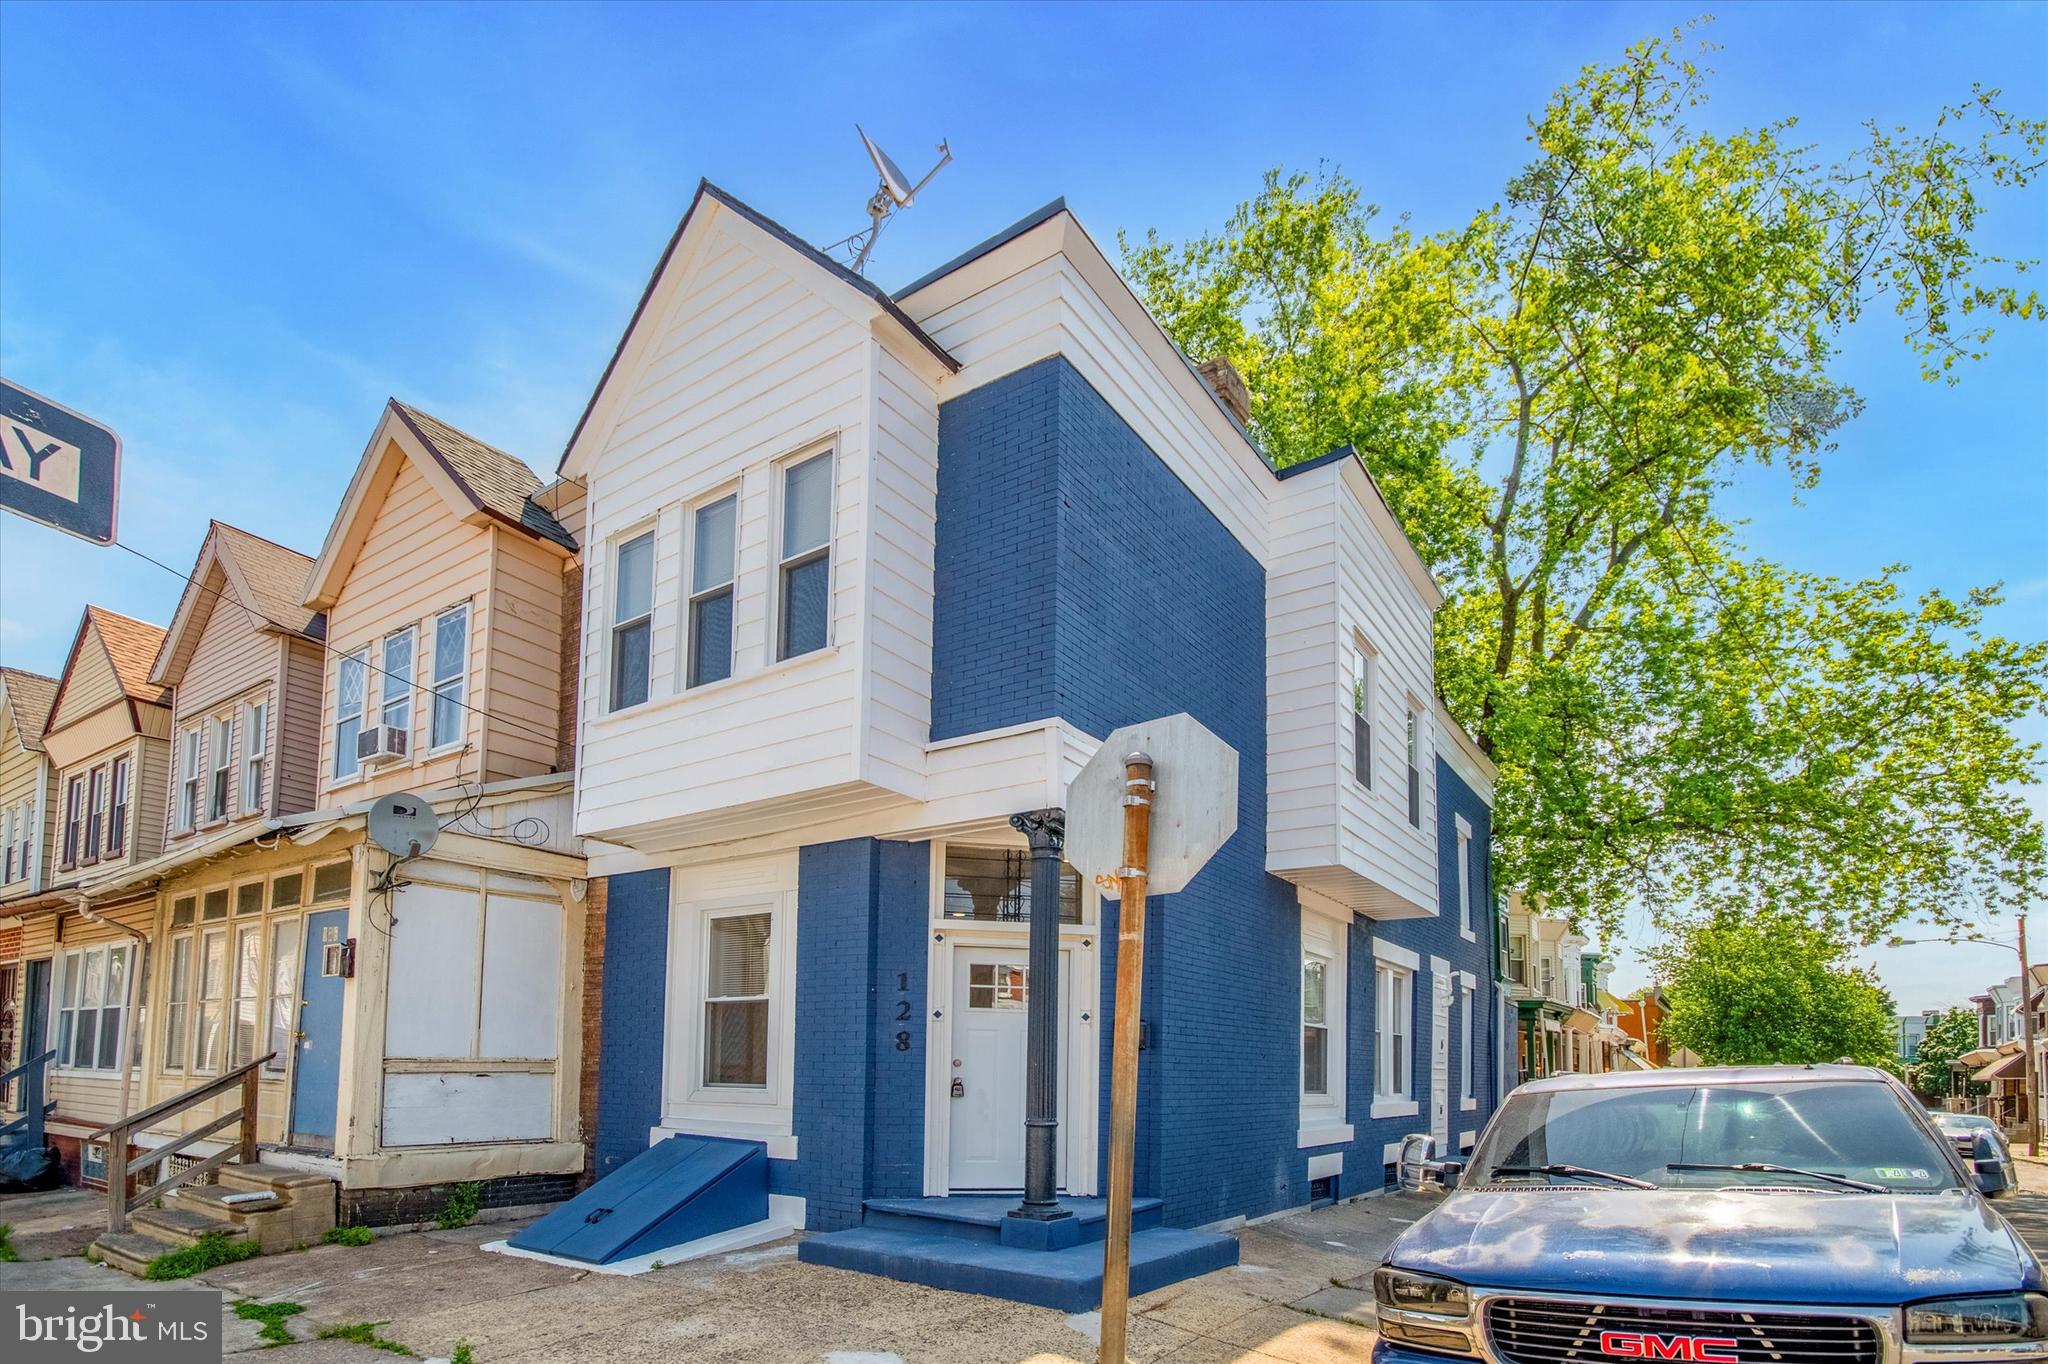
(1767, 1215)
(1964, 1129)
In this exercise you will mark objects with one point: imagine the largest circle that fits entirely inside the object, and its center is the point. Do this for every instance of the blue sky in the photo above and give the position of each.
(231, 231)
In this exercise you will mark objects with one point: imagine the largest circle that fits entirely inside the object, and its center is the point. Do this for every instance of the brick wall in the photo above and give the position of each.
(862, 905)
(570, 667)
(632, 1011)
(595, 900)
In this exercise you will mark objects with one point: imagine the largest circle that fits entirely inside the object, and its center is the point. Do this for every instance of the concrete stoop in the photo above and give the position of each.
(277, 1208)
(970, 1245)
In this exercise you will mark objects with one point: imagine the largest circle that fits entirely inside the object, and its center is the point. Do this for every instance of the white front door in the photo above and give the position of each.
(1440, 1060)
(991, 997)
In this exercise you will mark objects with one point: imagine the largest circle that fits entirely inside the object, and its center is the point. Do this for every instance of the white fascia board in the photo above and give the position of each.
(1395, 954)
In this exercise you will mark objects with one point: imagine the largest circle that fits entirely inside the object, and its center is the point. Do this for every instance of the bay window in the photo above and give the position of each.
(92, 996)
(712, 546)
(804, 572)
(632, 620)
(451, 676)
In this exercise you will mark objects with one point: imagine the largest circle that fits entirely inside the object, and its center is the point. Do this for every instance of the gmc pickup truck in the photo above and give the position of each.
(1767, 1215)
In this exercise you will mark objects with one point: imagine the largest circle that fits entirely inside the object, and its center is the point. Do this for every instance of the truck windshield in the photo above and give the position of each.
(1847, 1129)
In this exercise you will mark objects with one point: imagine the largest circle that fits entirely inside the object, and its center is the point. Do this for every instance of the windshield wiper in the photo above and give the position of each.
(1574, 1172)
(1759, 1168)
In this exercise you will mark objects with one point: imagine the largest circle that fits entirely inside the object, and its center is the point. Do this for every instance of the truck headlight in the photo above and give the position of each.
(1409, 1292)
(1978, 1321)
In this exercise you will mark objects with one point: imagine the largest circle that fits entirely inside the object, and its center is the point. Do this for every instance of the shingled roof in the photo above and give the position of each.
(132, 645)
(276, 577)
(499, 483)
(30, 694)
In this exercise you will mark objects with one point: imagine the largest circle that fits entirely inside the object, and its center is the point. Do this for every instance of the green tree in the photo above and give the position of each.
(1554, 398)
(1949, 1035)
(1772, 989)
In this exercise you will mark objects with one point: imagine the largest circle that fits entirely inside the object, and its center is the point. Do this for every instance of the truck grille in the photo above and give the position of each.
(1527, 1331)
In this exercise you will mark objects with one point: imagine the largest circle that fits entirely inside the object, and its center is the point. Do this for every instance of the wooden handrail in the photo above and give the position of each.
(179, 1102)
(119, 1202)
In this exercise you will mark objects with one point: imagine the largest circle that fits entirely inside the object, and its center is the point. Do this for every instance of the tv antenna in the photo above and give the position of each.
(895, 192)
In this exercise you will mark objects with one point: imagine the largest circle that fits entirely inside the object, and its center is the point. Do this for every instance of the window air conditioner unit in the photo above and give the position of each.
(380, 744)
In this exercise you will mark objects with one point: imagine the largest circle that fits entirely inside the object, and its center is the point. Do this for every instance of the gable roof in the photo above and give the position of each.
(260, 577)
(29, 695)
(811, 254)
(131, 647)
(474, 480)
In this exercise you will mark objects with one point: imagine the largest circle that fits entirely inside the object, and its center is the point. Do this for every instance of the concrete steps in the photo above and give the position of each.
(277, 1208)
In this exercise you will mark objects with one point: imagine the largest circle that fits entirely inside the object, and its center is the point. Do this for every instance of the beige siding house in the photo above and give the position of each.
(106, 741)
(25, 824)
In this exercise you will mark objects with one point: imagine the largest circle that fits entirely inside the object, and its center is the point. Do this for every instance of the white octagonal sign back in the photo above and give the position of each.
(1194, 810)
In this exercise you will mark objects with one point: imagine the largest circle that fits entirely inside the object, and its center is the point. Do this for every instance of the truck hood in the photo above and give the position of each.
(1846, 1248)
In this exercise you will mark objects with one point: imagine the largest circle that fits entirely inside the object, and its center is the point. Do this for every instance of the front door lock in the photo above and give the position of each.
(959, 1088)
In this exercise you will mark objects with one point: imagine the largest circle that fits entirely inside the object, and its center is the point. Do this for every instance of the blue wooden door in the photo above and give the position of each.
(318, 1073)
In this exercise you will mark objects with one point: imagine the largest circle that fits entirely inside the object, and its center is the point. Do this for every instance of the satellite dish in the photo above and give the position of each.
(895, 192)
(404, 824)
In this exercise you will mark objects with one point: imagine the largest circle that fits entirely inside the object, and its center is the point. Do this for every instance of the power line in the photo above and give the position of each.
(328, 649)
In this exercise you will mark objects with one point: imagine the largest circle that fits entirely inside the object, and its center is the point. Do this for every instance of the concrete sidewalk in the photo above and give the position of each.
(1301, 1295)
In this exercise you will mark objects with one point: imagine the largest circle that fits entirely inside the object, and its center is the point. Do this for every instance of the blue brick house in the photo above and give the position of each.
(870, 573)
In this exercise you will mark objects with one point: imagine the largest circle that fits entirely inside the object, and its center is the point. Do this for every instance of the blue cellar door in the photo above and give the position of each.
(318, 1075)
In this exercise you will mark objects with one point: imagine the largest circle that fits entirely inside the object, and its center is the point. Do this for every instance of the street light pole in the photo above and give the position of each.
(2027, 1033)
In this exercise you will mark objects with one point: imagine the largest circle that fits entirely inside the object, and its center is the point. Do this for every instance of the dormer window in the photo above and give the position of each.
(632, 620)
(803, 603)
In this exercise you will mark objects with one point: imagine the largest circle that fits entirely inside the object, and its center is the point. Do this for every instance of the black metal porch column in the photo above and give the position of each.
(1047, 830)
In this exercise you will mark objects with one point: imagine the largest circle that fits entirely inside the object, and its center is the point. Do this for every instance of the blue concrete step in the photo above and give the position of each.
(680, 1189)
(1068, 1280)
(986, 1217)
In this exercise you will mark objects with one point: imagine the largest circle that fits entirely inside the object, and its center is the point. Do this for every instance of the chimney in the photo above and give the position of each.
(1227, 384)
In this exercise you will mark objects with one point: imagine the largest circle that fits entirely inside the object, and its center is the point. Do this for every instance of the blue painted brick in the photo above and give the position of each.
(635, 983)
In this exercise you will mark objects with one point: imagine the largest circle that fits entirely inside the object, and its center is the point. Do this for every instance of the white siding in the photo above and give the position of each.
(752, 365)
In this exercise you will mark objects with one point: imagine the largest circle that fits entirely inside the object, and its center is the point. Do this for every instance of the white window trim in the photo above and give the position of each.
(688, 596)
(122, 781)
(1464, 841)
(388, 686)
(255, 753)
(459, 684)
(1322, 1119)
(614, 548)
(191, 793)
(220, 728)
(361, 715)
(723, 1110)
(1404, 1103)
(779, 474)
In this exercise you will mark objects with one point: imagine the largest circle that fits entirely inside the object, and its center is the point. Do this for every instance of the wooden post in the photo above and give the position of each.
(2033, 1099)
(117, 1180)
(1123, 1071)
(249, 1097)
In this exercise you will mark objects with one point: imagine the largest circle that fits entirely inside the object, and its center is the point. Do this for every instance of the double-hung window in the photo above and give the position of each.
(213, 972)
(1393, 1065)
(7, 832)
(91, 996)
(1315, 1031)
(736, 1002)
(117, 808)
(803, 601)
(178, 995)
(247, 988)
(255, 749)
(95, 812)
(26, 833)
(396, 685)
(74, 815)
(351, 678)
(284, 1012)
(189, 780)
(1414, 770)
(632, 620)
(222, 736)
(711, 583)
(451, 676)
(1363, 684)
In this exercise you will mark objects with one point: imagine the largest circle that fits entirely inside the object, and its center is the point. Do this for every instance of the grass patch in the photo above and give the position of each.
(363, 1333)
(464, 1203)
(272, 1315)
(8, 1254)
(348, 1236)
(212, 1250)
(462, 1354)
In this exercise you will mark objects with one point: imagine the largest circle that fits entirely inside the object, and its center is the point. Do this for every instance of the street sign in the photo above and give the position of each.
(57, 467)
(1194, 811)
